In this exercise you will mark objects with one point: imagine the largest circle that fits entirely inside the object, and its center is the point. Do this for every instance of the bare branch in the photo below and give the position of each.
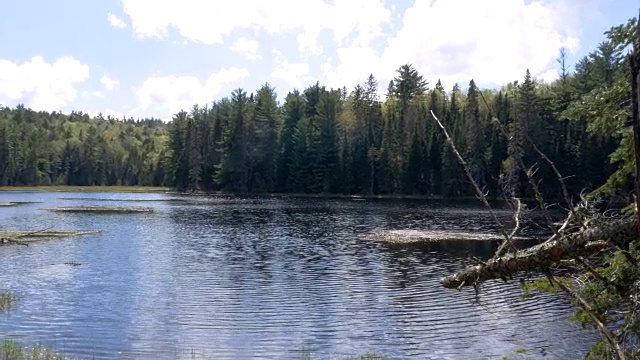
(597, 319)
(476, 187)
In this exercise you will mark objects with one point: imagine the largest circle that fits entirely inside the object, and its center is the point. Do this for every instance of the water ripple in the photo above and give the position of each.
(268, 278)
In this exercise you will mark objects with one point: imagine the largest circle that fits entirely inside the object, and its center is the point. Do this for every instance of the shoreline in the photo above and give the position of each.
(172, 191)
(86, 189)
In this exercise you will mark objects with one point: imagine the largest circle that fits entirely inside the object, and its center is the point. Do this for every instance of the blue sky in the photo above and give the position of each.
(153, 57)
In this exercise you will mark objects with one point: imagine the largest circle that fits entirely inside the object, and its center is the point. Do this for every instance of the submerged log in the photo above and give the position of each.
(544, 256)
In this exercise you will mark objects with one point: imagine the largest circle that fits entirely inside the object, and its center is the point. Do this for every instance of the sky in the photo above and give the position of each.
(152, 58)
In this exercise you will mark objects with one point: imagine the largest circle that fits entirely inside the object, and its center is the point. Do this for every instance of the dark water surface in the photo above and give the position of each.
(265, 279)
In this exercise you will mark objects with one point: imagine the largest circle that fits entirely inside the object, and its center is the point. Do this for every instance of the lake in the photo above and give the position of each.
(266, 278)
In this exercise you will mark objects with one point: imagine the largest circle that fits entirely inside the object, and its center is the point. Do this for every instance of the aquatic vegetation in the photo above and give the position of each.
(306, 355)
(16, 203)
(102, 209)
(88, 189)
(11, 350)
(130, 200)
(27, 236)
(6, 300)
(416, 236)
(73, 263)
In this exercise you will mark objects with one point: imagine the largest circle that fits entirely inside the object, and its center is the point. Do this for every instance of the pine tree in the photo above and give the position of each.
(232, 173)
(294, 110)
(265, 119)
(327, 151)
(474, 135)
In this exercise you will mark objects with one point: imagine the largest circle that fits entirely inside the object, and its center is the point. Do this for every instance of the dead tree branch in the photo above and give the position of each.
(598, 321)
(476, 187)
(545, 255)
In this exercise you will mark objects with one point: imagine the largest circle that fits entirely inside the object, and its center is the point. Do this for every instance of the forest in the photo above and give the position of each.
(341, 141)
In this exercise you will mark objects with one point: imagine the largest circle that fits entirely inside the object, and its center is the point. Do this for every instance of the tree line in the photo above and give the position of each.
(340, 141)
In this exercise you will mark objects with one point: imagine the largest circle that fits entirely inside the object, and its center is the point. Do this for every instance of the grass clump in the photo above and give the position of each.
(88, 189)
(123, 200)
(16, 203)
(306, 355)
(44, 234)
(11, 350)
(6, 300)
(102, 209)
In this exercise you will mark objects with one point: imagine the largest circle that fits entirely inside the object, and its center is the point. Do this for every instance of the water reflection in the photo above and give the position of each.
(267, 278)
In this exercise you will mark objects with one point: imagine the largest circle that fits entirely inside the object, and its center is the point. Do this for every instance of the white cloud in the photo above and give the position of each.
(454, 40)
(116, 22)
(296, 74)
(246, 47)
(109, 83)
(210, 22)
(495, 42)
(175, 93)
(40, 85)
(98, 94)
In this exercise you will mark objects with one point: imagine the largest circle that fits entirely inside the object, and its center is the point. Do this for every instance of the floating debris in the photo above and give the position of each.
(415, 236)
(73, 263)
(102, 209)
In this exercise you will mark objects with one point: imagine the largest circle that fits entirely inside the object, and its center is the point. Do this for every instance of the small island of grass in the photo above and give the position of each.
(121, 200)
(16, 203)
(6, 300)
(27, 235)
(88, 189)
(101, 209)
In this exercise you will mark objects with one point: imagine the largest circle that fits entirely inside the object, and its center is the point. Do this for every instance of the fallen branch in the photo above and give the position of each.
(542, 257)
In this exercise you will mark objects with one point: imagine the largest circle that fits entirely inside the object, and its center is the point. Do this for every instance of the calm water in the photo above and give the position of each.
(265, 279)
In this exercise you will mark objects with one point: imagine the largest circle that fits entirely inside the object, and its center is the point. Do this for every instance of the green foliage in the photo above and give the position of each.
(11, 350)
(41, 148)
(545, 286)
(519, 354)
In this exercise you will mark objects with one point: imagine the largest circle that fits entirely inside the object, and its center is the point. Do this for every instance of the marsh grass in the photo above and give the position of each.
(27, 236)
(16, 203)
(47, 233)
(123, 200)
(101, 209)
(88, 189)
(6, 300)
(11, 350)
(306, 355)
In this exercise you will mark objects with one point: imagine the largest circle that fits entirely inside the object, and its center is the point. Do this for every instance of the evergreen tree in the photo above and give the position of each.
(232, 174)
